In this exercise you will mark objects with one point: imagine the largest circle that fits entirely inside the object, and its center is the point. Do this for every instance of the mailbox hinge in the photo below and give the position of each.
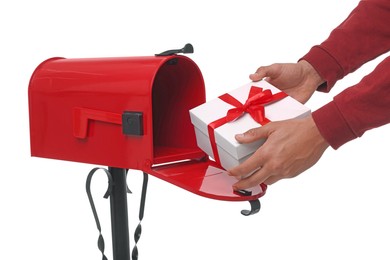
(188, 48)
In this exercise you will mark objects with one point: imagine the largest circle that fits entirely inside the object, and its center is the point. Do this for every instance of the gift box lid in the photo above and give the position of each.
(203, 115)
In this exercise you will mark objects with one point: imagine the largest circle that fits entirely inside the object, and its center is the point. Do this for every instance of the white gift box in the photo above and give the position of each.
(231, 153)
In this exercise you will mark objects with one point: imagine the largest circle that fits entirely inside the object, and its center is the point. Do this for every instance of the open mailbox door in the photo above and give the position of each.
(205, 178)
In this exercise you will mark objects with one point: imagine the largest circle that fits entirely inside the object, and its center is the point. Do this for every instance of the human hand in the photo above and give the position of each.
(291, 147)
(298, 80)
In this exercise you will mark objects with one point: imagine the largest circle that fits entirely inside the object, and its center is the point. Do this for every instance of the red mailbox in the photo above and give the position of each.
(129, 112)
(123, 112)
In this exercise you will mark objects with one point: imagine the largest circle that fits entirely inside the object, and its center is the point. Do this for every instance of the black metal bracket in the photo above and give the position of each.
(188, 48)
(255, 204)
(108, 193)
(117, 191)
(255, 208)
(138, 230)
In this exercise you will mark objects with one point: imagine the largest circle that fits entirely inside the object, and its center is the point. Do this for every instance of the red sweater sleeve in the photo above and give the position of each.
(363, 36)
(357, 109)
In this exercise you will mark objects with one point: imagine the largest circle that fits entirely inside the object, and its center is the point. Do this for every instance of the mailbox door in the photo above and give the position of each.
(205, 178)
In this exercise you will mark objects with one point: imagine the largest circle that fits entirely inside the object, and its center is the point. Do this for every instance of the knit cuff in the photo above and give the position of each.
(332, 125)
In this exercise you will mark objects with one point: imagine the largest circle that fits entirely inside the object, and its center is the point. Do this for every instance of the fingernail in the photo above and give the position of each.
(240, 135)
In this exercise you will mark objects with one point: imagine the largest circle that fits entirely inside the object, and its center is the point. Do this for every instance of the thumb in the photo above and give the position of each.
(263, 72)
(253, 134)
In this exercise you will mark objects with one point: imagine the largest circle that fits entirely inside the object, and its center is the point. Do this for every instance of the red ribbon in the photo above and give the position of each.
(254, 105)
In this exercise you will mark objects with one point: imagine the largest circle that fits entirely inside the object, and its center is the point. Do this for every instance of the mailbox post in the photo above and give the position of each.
(119, 215)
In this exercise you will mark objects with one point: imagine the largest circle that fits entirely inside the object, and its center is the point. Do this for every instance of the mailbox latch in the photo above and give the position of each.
(188, 48)
(132, 123)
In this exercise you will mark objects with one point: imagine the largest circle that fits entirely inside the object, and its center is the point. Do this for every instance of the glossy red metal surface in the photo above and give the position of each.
(76, 108)
(76, 105)
(204, 178)
(82, 116)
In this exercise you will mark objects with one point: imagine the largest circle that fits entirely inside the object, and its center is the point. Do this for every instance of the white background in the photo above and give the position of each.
(338, 209)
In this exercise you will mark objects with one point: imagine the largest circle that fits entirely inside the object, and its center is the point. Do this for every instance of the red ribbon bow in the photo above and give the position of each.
(254, 105)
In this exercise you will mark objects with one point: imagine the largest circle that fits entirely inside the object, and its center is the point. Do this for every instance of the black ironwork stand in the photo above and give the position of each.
(117, 191)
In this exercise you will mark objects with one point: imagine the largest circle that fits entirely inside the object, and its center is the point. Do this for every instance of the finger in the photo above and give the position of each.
(255, 179)
(253, 134)
(271, 72)
(255, 77)
(250, 165)
(260, 73)
(271, 180)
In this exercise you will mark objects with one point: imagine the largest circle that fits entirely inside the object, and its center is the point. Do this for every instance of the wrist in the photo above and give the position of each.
(318, 138)
(311, 74)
